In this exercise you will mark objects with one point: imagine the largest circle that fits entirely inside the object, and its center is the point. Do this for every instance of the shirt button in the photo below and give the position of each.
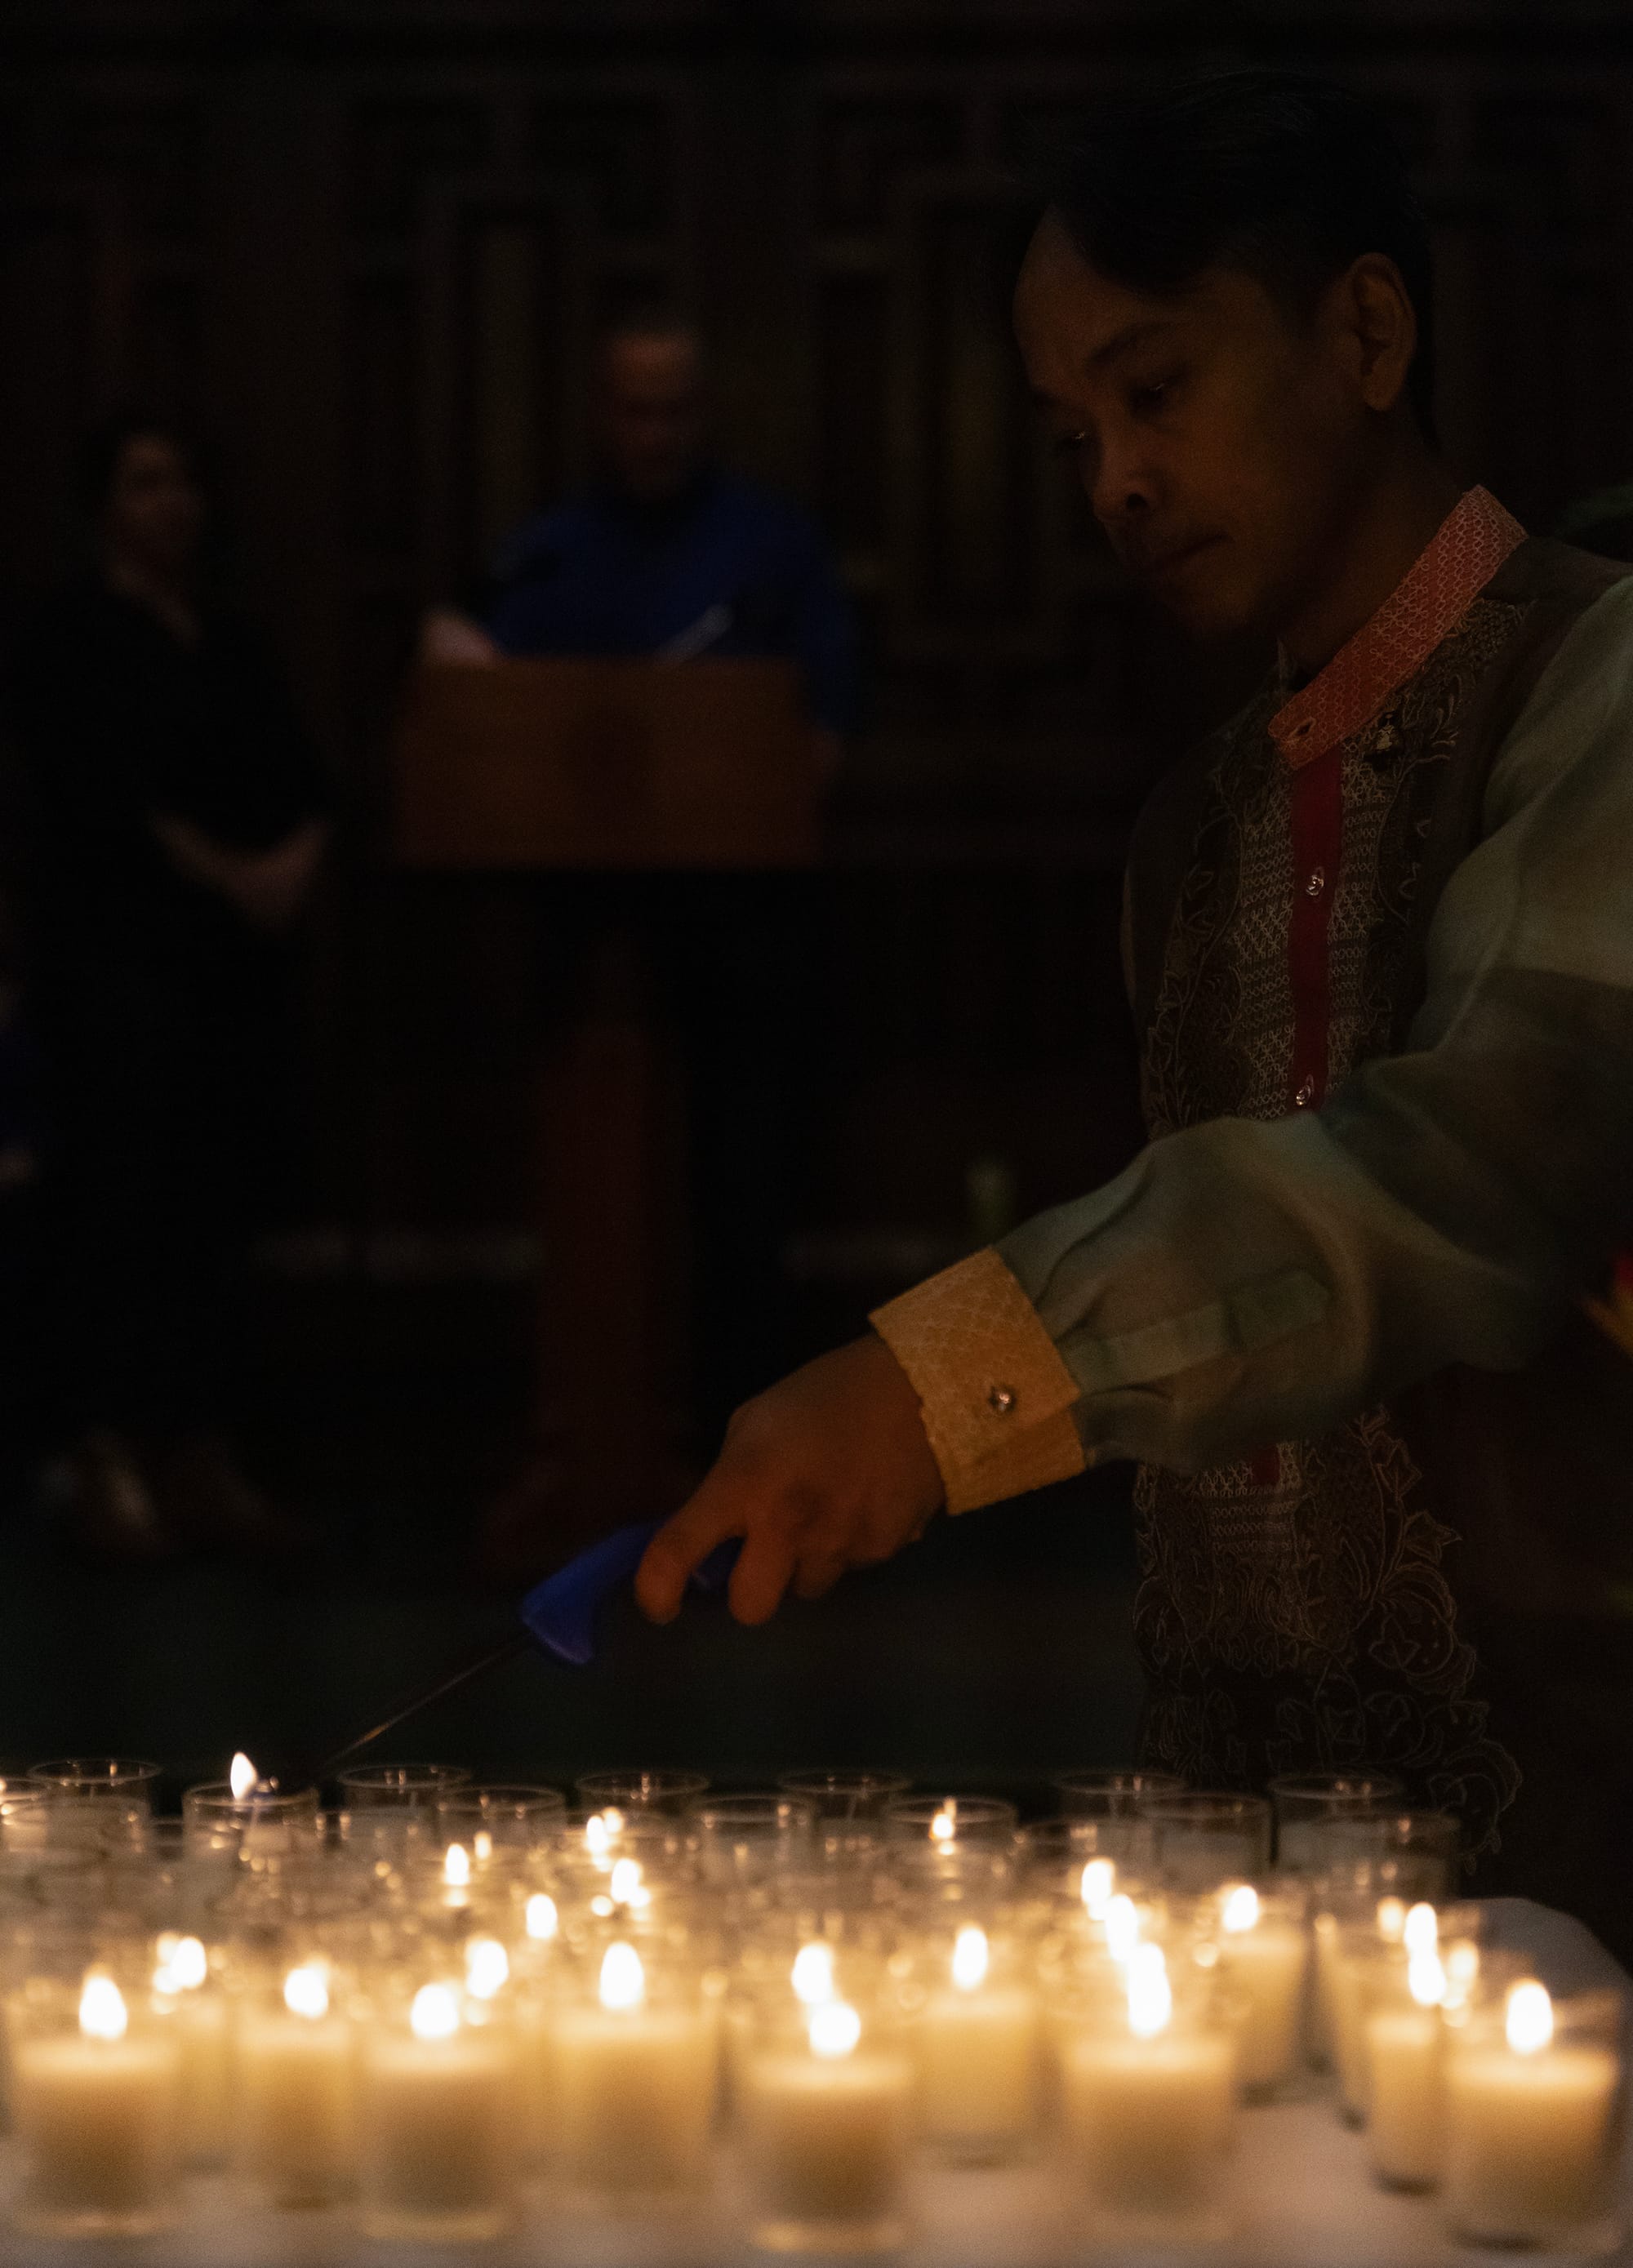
(1001, 1399)
(1317, 882)
(1306, 1096)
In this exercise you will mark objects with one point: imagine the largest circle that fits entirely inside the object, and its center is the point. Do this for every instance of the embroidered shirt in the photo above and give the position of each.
(1253, 1278)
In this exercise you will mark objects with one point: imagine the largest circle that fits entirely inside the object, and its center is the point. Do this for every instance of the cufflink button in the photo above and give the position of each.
(1001, 1399)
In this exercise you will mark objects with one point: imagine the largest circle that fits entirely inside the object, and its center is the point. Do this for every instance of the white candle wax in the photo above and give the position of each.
(1345, 1980)
(202, 2026)
(1323, 2014)
(96, 2115)
(1529, 2130)
(437, 2144)
(1406, 2120)
(978, 2056)
(1267, 1957)
(538, 2079)
(296, 2097)
(1148, 2120)
(826, 2136)
(636, 2092)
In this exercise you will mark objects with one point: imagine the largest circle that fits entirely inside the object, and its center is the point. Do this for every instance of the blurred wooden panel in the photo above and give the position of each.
(604, 765)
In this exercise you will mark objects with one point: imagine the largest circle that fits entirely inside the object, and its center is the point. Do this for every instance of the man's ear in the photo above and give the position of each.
(1376, 327)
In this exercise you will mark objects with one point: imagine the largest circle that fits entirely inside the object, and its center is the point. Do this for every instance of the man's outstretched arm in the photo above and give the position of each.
(1249, 1281)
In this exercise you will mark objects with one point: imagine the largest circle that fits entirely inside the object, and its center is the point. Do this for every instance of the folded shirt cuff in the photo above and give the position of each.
(996, 1395)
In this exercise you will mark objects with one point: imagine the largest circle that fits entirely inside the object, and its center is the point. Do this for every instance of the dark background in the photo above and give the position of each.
(368, 243)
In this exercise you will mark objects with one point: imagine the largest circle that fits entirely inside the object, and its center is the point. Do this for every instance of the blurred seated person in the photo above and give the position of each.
(667, 555)
(177, 826)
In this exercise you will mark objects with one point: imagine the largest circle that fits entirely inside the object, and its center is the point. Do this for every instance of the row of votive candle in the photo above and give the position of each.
(613, 2005)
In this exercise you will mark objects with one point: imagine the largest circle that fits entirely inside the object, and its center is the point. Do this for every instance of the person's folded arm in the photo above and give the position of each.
(1247, 1281)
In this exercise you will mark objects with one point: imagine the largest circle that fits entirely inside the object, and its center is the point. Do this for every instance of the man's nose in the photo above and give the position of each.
(1121, 487)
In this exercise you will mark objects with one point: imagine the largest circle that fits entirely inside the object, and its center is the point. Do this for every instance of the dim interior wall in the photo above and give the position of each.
(369, 244)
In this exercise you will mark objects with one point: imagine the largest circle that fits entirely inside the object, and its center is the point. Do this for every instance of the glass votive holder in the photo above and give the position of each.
(399, 1787)
(26, 1816)
(267, 1822)
(94, 2084)
(1147, 2101)
(97, 1801)
(976, 2034)
(1405, 1854)
(666, 1787)
(437, 2114)
(187, 1992)
(1534, 2090)
(1260, 1935)
(824, 2108)
(1203, 1837)
(636, 2047)
(945, 1821)
(1111, 1794)
(1368, 1957)
(295, 2096)
(1301, 1800)
(742, 1838)
(843, 1794)
(488, 1818)
(1053, 1852)
(125, 1780)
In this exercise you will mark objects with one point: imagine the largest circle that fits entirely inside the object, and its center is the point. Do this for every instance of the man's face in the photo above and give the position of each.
(1221, 443)
(155, 511)
(649, 414)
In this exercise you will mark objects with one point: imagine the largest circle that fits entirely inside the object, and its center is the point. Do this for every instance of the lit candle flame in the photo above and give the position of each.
(624, 1884)
(1100, 1880)
(1391, 1921)
(601, 1830)
(456, 1867)
(624, 1980)
(183, 1964)
(541, 1919)
(242, 1778)
(1420, 1931)
(813, 1975)
(834, 2030)
(971, 1959)
(306, 1992)
(1151, 1996)
(102, 2012)
(1123, 1926)
(1530, 2017)
(487, 1967)
(1241, 1909)
(435, 2013)
(945, 1825)
(482, 1843)
(1425, 1979)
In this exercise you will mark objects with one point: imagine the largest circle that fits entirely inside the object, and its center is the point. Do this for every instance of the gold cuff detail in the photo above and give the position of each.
(997, 1396)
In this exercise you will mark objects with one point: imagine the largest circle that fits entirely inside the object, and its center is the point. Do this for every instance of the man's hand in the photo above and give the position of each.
(829, 1469)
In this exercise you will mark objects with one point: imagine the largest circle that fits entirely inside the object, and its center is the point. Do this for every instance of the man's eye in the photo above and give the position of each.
(1068, 444)
(1153, 393)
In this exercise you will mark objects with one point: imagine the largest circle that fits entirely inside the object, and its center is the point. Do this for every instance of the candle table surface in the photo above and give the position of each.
(1299, 2193)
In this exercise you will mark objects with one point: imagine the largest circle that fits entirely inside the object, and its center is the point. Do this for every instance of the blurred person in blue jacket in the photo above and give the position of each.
(667, 555)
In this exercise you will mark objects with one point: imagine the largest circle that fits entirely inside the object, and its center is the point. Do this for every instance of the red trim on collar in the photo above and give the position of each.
(1471, 543)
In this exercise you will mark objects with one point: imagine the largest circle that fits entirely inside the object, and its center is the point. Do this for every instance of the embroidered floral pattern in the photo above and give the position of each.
(1294, 1609)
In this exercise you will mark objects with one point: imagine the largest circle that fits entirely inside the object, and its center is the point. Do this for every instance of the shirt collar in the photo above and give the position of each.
(1470, 546)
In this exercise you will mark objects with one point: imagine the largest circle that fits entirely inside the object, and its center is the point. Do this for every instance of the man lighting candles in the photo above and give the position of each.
(1378, 949)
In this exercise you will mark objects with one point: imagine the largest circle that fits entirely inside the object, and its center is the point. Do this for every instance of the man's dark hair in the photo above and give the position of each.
(1285, 177)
